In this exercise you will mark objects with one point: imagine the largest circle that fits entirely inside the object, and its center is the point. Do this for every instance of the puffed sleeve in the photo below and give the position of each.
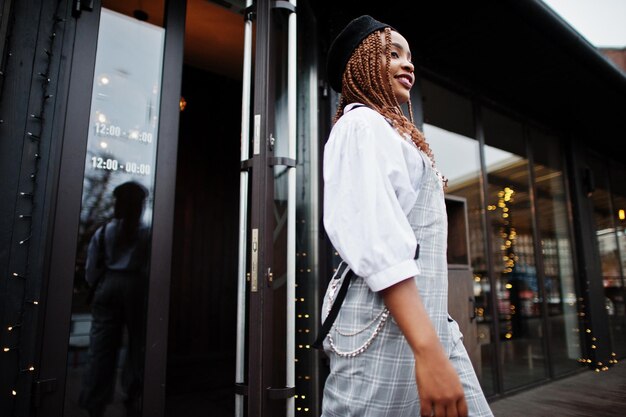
(367, 195)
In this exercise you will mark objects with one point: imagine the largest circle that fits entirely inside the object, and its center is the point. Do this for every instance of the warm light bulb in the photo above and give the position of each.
(621, 214)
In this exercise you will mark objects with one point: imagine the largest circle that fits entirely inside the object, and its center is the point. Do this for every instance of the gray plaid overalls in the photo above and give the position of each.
(371, 364)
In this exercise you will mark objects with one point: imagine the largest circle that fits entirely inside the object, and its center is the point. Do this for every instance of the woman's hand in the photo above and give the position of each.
(440, 390)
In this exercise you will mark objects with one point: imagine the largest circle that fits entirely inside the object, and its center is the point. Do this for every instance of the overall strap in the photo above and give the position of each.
(356, 106)
(341, 295)
(334, 310)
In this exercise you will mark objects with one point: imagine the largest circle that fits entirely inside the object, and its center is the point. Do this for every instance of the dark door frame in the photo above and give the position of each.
(58, 298)
(260, 317)
(157, 313)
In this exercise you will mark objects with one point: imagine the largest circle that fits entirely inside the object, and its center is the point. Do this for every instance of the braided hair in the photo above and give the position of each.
(365, 82)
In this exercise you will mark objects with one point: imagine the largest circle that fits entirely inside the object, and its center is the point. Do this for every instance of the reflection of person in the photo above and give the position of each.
(118, 302)
(383, 197)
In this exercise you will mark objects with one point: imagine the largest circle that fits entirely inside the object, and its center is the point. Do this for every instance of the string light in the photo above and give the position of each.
(33, 137)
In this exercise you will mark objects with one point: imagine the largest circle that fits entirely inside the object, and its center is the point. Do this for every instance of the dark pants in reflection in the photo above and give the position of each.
(118, 302)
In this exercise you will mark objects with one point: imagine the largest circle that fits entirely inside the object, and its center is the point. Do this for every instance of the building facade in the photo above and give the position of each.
(219, 111)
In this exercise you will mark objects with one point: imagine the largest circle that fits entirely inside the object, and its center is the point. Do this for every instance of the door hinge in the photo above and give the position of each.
(41, 387)
(79, 5)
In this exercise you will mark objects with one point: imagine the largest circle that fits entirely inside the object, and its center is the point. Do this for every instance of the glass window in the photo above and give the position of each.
(556, 251)
(607, 239)
(458, 160)
(618, 191)
(450, 136)
(510, 224)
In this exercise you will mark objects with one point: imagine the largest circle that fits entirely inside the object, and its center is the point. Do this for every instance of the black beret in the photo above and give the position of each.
(345, 43)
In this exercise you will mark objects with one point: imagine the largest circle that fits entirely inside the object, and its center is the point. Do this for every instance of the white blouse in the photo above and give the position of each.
(371, 183)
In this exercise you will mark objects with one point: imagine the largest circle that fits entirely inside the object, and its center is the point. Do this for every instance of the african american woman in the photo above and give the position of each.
(393, 348)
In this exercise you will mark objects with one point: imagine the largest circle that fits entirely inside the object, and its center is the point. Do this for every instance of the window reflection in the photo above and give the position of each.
(117, 273)
(510, 225)
(618, 190)
(556, 253)
(458, 159)
(608, 240)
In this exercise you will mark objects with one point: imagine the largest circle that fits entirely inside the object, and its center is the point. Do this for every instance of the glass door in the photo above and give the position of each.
(98, 343)
(607, 202)
(150, 311)
(107, 333)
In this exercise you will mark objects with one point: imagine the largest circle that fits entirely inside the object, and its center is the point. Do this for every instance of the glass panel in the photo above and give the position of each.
(307, 217)
(556, 247)
(510, 223)
(606, 234)
(282, 176)
(450, 135)
(458, 159)
(618, 191)
(106, 345)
